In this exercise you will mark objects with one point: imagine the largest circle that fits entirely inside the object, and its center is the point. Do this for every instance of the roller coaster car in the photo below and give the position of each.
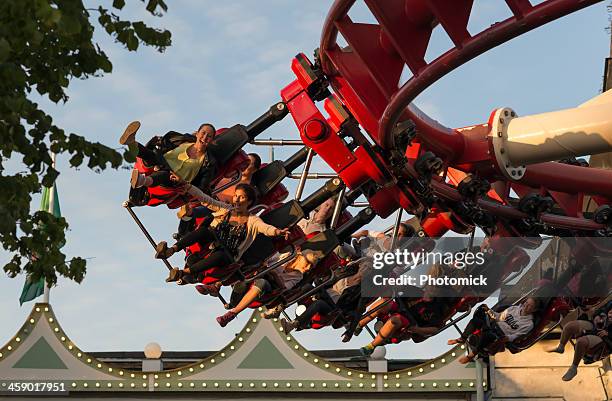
(229, 161)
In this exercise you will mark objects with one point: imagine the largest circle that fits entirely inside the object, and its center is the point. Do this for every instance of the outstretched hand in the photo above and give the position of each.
(284, 232)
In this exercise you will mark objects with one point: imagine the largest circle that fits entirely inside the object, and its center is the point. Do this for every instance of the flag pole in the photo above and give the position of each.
(47, 289)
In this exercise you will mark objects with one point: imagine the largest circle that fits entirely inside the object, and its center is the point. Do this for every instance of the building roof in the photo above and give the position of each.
(261, 358)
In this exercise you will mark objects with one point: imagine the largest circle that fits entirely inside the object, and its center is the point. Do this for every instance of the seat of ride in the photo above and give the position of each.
(228, 142)
(268, 177)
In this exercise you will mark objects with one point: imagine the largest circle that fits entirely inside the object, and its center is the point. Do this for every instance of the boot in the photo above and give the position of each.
(288, 326)
(174, 275)
(129, 135)
(162, 251)
(223, 320)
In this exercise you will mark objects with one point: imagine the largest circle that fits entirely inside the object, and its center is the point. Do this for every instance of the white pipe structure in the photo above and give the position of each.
(580, 131)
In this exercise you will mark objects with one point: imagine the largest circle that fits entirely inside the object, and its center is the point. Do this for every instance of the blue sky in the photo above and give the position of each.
(227, 64)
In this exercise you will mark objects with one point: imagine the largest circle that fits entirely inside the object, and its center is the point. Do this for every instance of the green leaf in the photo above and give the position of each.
(118, 4)
(44, 44)
(5, 49)
(70, 25)
(131, 41)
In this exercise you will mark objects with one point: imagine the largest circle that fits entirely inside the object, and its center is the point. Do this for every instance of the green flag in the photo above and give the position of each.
(31, 289)
(49, 203)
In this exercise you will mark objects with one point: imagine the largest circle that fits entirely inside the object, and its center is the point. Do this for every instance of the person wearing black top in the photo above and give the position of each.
(592, 336)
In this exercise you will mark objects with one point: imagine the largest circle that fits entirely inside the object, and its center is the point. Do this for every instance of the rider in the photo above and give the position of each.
(514, 321)
(318, 219)
(286, 276)
(190, 161)
(591, 336)
(233, 226)
(245, 178)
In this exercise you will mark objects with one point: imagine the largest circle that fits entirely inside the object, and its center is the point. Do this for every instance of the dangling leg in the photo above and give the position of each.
(202, 234)
(259, 286)
(477, 322)
(371, 316)
(219, 258)
(318, 306)
(573, 329)
(389, 328)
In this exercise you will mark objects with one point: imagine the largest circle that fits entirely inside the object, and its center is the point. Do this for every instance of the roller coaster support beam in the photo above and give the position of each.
(276, 113)
(128, 207)
(331, 138)
(580, 131)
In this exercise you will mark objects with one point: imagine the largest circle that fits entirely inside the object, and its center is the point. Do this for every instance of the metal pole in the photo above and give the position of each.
(479, 379)
(46, 288)
(127, 206)
(271, 153)
(302, 183)
(369, 330)
(337, 209)
(471, 241)
(398, 220)
(313, 176)
(277, 142)
(557, 250)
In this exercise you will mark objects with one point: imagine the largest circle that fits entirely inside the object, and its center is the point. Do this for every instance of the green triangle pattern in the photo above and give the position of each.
(265, 356)
(40, 356)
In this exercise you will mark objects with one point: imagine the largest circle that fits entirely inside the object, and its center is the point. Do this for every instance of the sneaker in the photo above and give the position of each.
(186, 279)
(162, 251)
(272, 313)
(174, 275)
(455, 341)
(570, 374)
(223, 320)
(129, 135)
(366, 351)
(288, 326)
(350, 332)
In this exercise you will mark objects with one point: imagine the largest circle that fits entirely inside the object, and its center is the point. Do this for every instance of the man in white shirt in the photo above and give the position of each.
(514, 322)
(317, 221)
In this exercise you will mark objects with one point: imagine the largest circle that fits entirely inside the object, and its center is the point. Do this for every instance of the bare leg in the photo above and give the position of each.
(251, 295)
(572, 330)
(582, 345)
(387, 331)
(467, 358)
(369, 317)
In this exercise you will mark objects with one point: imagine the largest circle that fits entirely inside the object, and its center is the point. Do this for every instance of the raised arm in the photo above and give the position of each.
(208, 201)
(267, 229)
